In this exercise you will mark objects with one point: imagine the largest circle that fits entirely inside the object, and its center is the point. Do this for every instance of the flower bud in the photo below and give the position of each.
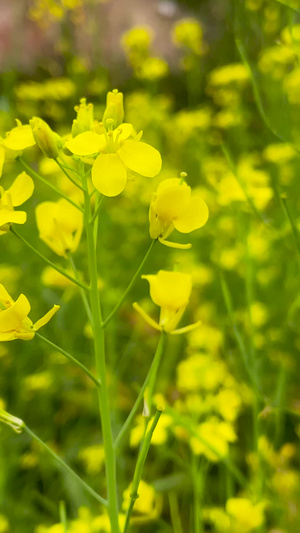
(47, 140)
(114, 108)
(85, 118)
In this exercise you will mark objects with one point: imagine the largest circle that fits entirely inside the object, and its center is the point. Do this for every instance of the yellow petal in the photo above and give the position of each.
(45, 319)
(194, 217)
(141, 158)
(60, 225)
(5, 298)
(86, 143)
(12, 217)
(19, 138)
(172, 201)
(7, 336)
(170, 289)
(176, 245)
(186, 329)
(146, 317)
(21, 189)
(11, 319)
(109, 175)
(166, 184)
(123, 132)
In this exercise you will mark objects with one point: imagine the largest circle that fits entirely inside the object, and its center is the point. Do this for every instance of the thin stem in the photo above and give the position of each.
(291, 221)
(82, 292)
(152, 372)
(37, 176)
(63, 515)
(53, 265)
(197, 493)
(99, 346)
(240, 342)
(63, 169)
(174, 512)
(71, 358)
(96, 213)
(118, 305)
(65, 466)
(139, 467)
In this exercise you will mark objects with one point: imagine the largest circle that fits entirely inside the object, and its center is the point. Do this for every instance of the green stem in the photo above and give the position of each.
(63, 169)
(150, 376)
(174, 513)
(197, 493)
(99, 346)
(65, 466)
(291, 221)
(63, 515)
(82, 292)
(71, 358)
(240, 342)
(53, 265)
(118, 305)
(139, 467)
(96, 213)
(35, 175)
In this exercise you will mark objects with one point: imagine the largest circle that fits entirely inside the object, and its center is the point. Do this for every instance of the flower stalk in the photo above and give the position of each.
(99, 347)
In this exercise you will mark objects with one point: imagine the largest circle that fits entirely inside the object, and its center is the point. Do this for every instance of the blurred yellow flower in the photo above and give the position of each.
(245, 516)
(200, 372)
(52, 278)
(173, 206)
(17, 194)
(118, 152)
(188, 33)
(14, 321)
(4, 524)
(60, 226)
(93, 458)
(213, 438)
(171, 292)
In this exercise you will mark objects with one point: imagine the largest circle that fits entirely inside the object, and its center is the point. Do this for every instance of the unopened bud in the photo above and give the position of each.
(47, 140)
(15, 423)
(85, 118)
(114, 108)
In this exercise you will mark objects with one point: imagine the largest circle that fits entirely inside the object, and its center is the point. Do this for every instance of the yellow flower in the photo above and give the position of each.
(212, 440)
(245, 516)
(171, 291)
(60, 226)
(17, 194)
(173, 206)
(188, 33)
(118, 152)
(14, 321)
(19, 138)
